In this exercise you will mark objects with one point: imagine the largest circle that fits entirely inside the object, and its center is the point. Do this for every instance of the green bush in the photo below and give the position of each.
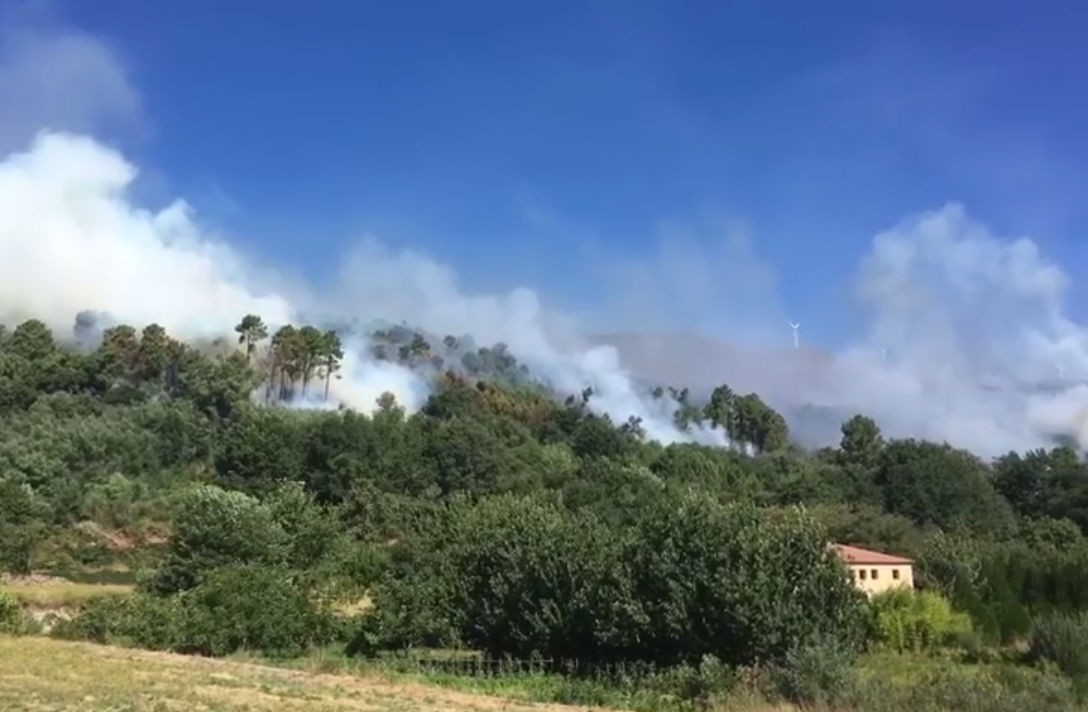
(139, 620)
(918, 621)
(215, 528)
(509, 576)
(1062, 639)
(960, 687)
(23, 517)
(314, 538)
(523, 576)
(816, 673)
(705, 684)
(974, 648)
(234, 608)
(734, 582)
(250, 608)
(11, 614)
(99, 621)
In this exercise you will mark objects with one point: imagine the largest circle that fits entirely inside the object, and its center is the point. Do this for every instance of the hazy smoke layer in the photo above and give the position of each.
(965, 338)
(379, 283)
(60, 78)
(72, 243)
(967, 341)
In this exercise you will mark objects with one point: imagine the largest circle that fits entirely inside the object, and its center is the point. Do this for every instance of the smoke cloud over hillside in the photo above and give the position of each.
(979, 348)
(966, 337)
(72, 243)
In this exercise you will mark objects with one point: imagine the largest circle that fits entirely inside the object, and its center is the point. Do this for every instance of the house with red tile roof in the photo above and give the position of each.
(875, 572)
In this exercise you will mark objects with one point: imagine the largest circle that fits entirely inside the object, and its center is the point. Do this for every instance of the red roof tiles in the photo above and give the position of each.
(857, 555)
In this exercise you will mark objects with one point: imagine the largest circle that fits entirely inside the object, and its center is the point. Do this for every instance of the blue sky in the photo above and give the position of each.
(542, 143)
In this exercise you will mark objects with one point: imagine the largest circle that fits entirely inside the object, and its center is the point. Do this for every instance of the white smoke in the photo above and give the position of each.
(61, 78)
(362, 380)
(965, 338)
(980, 350)
(72, 241)
(377, 282)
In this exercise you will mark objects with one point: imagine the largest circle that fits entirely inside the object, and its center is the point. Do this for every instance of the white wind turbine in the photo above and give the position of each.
(796, 334)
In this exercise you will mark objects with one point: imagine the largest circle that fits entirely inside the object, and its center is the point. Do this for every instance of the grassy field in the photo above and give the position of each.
(57, 593)
(39, 674)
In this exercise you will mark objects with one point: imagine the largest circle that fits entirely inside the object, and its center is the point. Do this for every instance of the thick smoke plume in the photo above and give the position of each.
(377, 282)
(979, 348)
(73, 243)
(966, 338)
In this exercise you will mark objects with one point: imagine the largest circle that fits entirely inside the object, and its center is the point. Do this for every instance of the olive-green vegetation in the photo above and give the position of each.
(512, 521)
(59, 593)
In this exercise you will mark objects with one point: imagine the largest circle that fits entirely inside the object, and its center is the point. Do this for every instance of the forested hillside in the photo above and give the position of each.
(501, 518)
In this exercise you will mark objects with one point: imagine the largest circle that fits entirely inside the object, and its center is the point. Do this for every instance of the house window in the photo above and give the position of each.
(895, 574)
(861, 574)
(875, 572)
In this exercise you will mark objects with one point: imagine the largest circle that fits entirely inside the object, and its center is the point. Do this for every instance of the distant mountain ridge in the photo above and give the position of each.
(702, 362)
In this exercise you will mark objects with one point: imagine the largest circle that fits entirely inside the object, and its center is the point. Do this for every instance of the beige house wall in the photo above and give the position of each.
(877, 578)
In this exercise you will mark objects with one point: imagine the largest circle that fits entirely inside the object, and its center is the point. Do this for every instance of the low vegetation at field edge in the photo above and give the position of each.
(55, 593)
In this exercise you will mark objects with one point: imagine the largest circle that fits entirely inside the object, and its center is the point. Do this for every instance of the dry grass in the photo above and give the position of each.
(355, 607)
(52, 594)
(39, 675)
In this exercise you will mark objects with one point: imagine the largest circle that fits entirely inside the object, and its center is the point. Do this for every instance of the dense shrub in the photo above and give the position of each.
(260, 449)
(963, 688)
(11, 614)
(22, 525)
(139, 620)
(215, 528)
(730, 581)
(250, 608)
(116, 502)
(938, 484)
(1062, 639)
(312, 534)
(233, 608)
(815, 673)
(706, 683)
(511, 576)
(1004, 584)
(918, 621)
(615, 549)
(692, 578)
